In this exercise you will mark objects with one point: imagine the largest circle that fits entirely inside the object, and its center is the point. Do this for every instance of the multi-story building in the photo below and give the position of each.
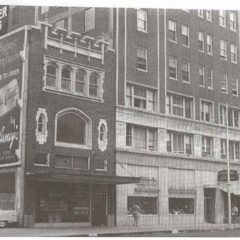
(177, 104)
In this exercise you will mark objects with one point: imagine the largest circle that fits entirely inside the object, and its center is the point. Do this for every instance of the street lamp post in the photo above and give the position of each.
(228, 169)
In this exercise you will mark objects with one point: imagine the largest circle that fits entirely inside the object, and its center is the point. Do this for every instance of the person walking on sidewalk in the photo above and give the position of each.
(135, 213)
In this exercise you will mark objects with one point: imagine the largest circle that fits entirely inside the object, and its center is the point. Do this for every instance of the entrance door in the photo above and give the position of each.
(209, 205)
(99, 209)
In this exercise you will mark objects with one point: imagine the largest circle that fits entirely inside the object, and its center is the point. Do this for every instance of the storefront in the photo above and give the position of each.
(73, 200)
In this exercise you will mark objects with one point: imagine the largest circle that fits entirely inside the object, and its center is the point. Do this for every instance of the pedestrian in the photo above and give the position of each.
(135, 213)
(235, 212)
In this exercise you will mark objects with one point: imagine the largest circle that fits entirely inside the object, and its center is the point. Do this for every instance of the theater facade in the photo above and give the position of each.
(57, 163)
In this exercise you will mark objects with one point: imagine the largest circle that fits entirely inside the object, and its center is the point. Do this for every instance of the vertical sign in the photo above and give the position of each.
(11, 52)
(4, 11)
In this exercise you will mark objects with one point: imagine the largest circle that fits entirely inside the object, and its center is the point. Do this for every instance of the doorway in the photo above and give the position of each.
(99, 217)
(209, 205)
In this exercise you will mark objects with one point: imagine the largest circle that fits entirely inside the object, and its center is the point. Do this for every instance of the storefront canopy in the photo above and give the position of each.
(77, 178)
(234, 187)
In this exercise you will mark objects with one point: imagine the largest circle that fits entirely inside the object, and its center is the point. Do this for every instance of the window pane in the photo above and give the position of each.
(89, 19)
(51, 76)
(80, 81)
(71, 129)
(41, 158)
(181, 206)
(140, 137)
(148, 205)
(80, 162)
(93, 84)
(62, 161)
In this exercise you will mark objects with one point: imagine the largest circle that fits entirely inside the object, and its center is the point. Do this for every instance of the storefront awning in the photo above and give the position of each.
(76, 178)
(234, 187)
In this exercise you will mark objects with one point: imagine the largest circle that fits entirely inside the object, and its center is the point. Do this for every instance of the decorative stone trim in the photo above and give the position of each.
(41, 137)
(102, 136)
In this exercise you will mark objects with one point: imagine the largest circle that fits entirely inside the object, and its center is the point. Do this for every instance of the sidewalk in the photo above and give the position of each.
(100, 231)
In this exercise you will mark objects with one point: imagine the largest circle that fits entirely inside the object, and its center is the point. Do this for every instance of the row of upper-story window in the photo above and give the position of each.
(73, 79)
(205, 41)
(205, 76)
(179, 105)
(225, 18)
(146, 138)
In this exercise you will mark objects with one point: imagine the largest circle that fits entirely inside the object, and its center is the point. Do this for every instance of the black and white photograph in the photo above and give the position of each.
(119, 121)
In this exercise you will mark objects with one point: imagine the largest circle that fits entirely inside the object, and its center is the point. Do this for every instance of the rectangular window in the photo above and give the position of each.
(233, 21)
(201, 76)
(129, 135)
(201, 41)
(185, 35)
(209, 15)
(207, 146)
(222, 115)
(186, 71)
(233, 49)
(200, 13)
(206, 111)
(148, 205)
(172, 67)
(100, 163)
(141, 20)
(234, 86)
(178, 142)
(140, 97)
(172, 30)
(233, 117)
(209, 45)
(223, 49)
(223, 148)
(41, 158)
(209, 78)
(179, 105)
(142, 58)
(224, 83)
(181, 205)
(89, 19)
(234, 150)
(44, 10)
(222, 18)
(72, 162)
(141, 137)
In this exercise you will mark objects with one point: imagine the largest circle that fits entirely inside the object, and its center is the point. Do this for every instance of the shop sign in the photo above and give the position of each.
(146, 184)
(9, 137)
(223, 175)
(9, 95)
(4, 11)
(11, 51)
(181, 191)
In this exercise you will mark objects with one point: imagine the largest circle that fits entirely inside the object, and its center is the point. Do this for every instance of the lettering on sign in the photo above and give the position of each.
(223, 175)
(181, 191)
(9, 95)
(149, 185)
(3, 19)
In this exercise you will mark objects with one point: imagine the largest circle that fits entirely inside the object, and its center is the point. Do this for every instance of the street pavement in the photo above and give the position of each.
(140, 231)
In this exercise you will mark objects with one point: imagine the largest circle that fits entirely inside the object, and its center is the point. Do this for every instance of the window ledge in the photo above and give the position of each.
(54, 91)
(41, 165)
(175, 79)
(72, 145)
(187, 46)
(142, 70)
(187, 82)
(142, 31)
(172, 41)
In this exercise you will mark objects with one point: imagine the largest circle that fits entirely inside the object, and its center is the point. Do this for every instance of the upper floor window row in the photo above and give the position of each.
(208, 14)
(74, 80)
(141, 97)
(232, 19)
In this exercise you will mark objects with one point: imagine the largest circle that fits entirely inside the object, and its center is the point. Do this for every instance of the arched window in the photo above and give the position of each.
(41, 124)
(66, 79)
(93, 84)
(51, 75)
(102, 132)
(73, 128)
(80, 81)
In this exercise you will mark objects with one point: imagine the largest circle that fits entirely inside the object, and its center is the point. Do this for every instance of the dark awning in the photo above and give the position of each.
(76, 178)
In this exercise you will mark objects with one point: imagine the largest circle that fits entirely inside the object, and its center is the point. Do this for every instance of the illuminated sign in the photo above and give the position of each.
(4, 11)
